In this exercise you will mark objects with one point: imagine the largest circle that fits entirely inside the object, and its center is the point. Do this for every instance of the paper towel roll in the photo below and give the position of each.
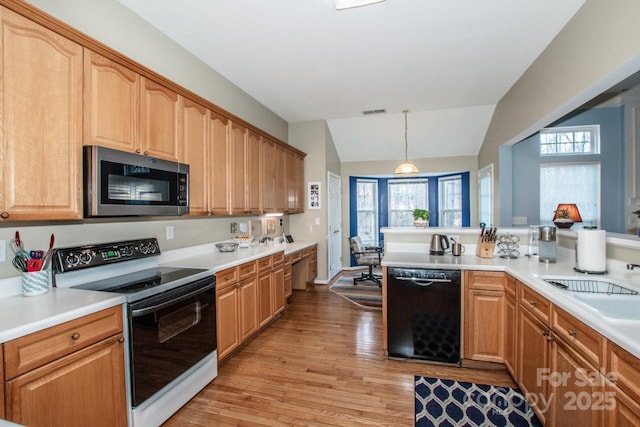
(591, 251)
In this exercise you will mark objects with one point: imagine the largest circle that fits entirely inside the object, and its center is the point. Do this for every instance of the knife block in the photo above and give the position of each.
(485, 249)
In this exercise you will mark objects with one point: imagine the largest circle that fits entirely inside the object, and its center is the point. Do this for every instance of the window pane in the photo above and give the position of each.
(405, 196)
(484, 197)
(450, 202)
(367, 206)
(570, 140)
(575, 183)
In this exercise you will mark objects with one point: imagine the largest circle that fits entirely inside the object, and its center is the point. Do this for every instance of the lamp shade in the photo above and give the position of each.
(406, 169)
(567, 208)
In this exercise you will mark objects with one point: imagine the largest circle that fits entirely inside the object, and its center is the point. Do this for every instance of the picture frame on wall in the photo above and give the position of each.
(313, 195)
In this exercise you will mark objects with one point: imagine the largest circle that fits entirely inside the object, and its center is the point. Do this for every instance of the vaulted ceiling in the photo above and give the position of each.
(448, 61)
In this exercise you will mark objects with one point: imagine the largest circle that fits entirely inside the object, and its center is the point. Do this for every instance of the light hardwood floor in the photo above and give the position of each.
(320, 364)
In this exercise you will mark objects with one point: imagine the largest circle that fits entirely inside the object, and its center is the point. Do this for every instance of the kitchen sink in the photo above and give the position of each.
(607, 297)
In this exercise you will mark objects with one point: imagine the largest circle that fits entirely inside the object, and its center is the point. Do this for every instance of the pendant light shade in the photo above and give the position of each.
(406, 168)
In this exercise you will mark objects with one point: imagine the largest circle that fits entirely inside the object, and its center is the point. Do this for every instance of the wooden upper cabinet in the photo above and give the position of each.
(253, 183)
(111, 94)
(280, 179)
(41, 112)
(238, 168)
(160, 119)
(299, 161)
(291, 184)
(219, 165)
(195, 137)
(267, 175)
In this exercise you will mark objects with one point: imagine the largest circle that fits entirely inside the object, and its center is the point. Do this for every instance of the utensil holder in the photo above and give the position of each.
(485, 249)
(35, 283)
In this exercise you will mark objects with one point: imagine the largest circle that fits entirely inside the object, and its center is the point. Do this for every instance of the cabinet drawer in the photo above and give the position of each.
(248, 269)
(538, 305)
(264, 263)
(584, 340)
(226, 277)
(486, 280)
(626, 368)
(510, 285)
(306, 252)
(296, 256)
(278, 258)
(34, 350)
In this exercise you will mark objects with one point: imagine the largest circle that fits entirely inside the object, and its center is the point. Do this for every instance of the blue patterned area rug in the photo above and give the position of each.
(452, 403)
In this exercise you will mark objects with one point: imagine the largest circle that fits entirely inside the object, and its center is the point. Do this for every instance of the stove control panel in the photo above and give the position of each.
(76, 258)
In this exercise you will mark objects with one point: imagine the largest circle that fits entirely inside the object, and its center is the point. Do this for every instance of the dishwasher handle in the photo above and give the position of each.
(424, 282)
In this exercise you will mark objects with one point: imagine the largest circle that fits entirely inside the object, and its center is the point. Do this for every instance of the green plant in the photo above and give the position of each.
(636, 213)
(562, 214)
(422, 214)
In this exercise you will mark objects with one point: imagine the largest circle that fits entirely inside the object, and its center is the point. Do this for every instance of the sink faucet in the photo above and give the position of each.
(632, 266)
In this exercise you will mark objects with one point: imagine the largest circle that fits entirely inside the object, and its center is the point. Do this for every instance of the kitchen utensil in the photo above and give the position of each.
(47, 257)
(457, 249)
(34, 264)
(20, 262)
(227, 246)
(439, 243)
(36, 254)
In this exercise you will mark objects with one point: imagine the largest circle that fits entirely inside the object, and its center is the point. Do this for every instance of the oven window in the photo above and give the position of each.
(178, 322)
(132, 188)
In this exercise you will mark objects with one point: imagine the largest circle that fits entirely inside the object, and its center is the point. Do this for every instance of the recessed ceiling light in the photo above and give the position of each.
(347, 4)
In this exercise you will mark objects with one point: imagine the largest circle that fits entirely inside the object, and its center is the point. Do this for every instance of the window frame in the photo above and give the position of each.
(390, 182)
(375, 212)
(485, 172)
(594, 130)
(442, 211)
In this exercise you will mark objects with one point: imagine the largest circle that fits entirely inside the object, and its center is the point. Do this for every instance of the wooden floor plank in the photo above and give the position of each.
(319, 364)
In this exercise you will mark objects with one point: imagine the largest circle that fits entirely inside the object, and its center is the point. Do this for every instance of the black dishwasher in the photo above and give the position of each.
(423, 314)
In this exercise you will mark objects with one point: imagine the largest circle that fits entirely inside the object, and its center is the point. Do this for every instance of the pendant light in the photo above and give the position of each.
(407, 168)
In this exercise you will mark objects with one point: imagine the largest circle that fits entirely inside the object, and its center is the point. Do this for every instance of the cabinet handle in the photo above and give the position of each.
(121, 340)
(138, 150)
(545, 333)
(572, 332)
(4, 215)
(549, 337)
(533, 303)
(146, 153)
(75, 336)
(227, 277)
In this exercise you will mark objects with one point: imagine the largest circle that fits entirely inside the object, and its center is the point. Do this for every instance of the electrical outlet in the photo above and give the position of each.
(317, 221)
(519, 220)
(3, 250)
(170, 232)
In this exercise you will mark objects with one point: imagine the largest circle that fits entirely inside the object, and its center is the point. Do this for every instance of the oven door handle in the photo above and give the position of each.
(171, 301)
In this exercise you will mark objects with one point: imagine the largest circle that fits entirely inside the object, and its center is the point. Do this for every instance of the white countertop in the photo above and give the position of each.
(20, 315)
(625, 333)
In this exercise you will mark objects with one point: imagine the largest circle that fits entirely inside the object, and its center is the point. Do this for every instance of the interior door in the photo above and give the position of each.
(334, 210)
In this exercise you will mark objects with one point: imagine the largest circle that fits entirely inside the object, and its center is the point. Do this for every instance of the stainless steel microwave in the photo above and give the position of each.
(117, 183)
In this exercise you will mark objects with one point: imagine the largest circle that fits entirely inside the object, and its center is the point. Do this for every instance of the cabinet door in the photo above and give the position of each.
(267, 172)
(237, 163)
(219, 165)
(41, 109)
(278, 289)
(94, 376)
(510, 348)
(300, 188)
(227, 320)
(265, 311)
(160, 117)
(576, 387)
(291, 183)
(254, 183)
(111, 109)
(280, 179)
(484, 326)
(195, 139)
(625, 411)
(533, 360)
(248, 307)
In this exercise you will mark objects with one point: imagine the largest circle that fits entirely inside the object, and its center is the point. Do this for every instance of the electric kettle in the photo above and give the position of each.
(439, 243)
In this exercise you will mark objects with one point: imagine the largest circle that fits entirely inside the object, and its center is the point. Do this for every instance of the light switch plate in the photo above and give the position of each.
(170, 232)
(519, 220)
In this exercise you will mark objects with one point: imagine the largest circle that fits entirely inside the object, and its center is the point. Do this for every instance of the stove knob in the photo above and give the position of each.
(127, 251)
(72, 260)
(143, 248)
(85, 257)
(152, 248)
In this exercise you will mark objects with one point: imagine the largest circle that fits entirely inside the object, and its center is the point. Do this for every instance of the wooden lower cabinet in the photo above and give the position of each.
(533, 358)
(624, 370)
(248, 297)
(227, 315)
(576, 388)
(71, 374)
